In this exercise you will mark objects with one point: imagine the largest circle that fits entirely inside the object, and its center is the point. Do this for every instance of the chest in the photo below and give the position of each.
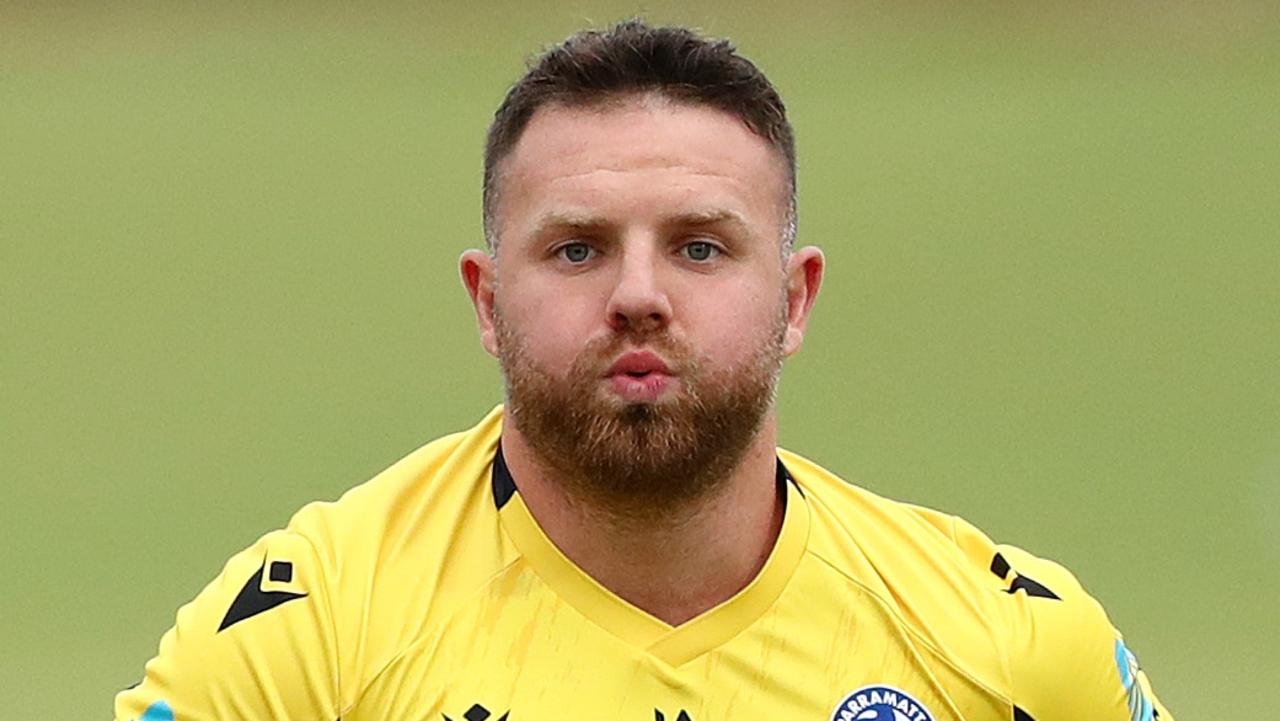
(522, 653)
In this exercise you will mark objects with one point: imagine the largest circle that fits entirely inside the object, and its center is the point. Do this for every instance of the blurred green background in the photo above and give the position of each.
(228, 236)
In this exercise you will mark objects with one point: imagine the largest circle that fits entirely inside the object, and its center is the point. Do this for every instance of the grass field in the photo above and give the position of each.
(228, 239)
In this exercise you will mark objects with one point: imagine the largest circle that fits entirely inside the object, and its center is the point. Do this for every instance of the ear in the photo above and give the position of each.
(804, 277)
(477, 269)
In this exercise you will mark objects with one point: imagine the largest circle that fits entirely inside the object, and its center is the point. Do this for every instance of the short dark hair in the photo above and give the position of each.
(632, 56)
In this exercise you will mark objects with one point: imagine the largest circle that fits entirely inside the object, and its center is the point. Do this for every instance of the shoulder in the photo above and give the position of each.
(298, 623)
(911, 544)
(902, 541)
(399, 551)
(1022, 625)
(439, 478)
(926, 568)
(229, 644)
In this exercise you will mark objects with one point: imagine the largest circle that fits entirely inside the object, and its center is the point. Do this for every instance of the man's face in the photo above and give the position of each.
(640, 303)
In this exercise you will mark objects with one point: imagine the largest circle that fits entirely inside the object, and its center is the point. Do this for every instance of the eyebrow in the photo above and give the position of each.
(711, 217)
(560, 220)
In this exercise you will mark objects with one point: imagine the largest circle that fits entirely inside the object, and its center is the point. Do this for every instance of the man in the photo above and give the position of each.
(624, 540)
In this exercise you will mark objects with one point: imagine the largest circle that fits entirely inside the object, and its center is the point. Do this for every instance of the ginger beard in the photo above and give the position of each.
(640, 460)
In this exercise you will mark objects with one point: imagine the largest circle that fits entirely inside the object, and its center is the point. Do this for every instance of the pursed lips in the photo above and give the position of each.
(640, 376)
(638, 363)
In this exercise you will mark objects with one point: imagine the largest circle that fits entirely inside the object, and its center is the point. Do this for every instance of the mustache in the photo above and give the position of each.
(600, 353)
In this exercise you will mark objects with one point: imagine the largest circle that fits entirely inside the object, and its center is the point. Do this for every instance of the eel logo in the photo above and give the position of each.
(1140, 708)
(158, 711)
(880, 703)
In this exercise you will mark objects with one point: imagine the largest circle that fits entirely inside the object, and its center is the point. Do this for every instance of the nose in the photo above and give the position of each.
(639, 302)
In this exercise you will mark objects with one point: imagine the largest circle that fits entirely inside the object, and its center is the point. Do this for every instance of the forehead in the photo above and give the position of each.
(648, 148)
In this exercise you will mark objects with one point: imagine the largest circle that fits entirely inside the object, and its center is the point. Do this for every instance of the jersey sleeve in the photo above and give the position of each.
(1066, 660)
(257, 643)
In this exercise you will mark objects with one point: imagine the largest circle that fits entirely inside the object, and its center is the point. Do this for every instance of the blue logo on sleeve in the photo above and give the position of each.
(158, 711)
(880, 703)
(1140, 708)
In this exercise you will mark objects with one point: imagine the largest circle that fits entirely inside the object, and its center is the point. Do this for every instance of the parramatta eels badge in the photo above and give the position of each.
(880, 703)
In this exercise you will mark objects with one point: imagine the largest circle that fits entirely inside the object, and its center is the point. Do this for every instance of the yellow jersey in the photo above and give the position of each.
(431, 594)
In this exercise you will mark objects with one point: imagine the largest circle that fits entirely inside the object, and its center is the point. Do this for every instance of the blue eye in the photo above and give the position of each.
(576, 253)
(699, 250)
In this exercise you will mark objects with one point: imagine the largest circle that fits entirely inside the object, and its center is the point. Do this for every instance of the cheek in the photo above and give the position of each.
(736, 346)
(552, 330)
(731, 327)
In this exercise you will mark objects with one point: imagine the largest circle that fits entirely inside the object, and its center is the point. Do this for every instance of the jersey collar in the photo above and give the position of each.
(675, 645)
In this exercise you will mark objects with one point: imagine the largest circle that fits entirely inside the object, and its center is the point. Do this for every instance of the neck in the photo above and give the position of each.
(679, 566)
